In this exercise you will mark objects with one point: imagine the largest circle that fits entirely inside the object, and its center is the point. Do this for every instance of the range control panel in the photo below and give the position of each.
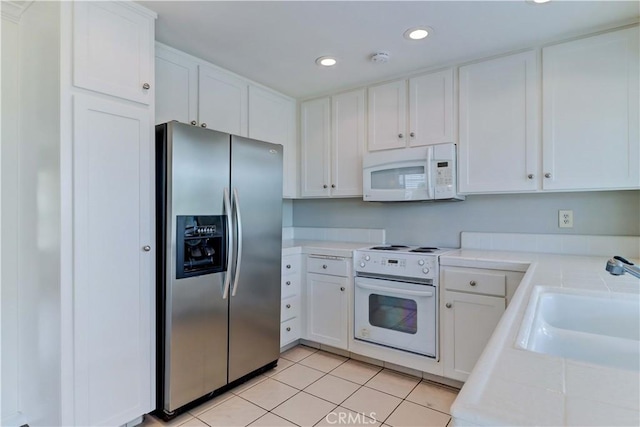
(401, 264)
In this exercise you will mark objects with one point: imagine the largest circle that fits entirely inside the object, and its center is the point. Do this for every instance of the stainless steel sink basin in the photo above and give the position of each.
(595, 327)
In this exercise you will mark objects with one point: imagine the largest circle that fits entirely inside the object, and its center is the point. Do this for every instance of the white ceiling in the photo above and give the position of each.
(276, 42)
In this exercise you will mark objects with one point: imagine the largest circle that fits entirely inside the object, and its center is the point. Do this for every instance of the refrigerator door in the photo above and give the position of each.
(254, 311)
(195, 313)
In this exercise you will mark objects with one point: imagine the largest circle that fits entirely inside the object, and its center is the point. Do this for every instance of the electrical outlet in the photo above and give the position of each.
(565, 218)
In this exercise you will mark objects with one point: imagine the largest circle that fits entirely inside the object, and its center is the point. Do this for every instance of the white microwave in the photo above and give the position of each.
(411, 174)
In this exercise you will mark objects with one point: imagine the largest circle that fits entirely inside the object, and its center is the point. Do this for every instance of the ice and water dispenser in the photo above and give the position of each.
(200, 245)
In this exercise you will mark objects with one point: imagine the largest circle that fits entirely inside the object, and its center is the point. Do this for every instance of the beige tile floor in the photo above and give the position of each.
(315, 388)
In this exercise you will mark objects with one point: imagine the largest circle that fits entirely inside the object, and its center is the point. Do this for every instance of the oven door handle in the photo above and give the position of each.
(395, 291)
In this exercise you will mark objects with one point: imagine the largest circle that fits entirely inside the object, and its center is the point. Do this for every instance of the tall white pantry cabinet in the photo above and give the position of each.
(88, 83)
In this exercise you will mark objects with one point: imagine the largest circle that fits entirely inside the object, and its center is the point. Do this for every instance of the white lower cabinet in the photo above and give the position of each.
(327, 301)
(473, 301)
(290, 299)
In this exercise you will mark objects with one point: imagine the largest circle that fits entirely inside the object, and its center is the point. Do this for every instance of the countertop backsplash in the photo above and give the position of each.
(565, 244)
(366, 235)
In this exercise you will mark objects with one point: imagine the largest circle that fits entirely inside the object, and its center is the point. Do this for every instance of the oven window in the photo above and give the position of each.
(408, 178)
(397, 314)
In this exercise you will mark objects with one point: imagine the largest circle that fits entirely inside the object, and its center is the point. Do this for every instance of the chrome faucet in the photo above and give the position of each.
(618, 266)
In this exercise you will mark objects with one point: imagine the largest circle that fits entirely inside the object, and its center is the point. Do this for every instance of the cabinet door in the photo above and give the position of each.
(431, 109)
(176, 87)
(590, 113)
(222, 101)
(113, 49)
(387, 116)
(347, 144)
(113, 272)
(315, 137)
(327, 310)
(499, 125)
(469, 320)
(272, 119)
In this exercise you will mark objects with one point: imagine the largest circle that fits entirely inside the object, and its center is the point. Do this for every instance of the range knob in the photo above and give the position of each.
(362, 264)
(425, 270)
(421, 262)
(367, 258)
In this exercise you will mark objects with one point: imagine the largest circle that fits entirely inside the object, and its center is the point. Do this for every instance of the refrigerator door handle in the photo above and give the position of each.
(227, 276)
(236, 274)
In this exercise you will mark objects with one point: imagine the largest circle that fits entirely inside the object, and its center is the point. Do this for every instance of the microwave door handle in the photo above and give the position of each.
(226, 202)
(431, 184)
(395, 291)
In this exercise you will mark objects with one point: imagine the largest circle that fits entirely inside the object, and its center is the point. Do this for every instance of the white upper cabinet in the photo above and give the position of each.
(590, 113)
(347, 143)
(113, 49)
(176, 88)
(387, 116)
(498, 148)
(315, 128)
(431, 108)
(332, 141)
(272, 119)
(222, 102)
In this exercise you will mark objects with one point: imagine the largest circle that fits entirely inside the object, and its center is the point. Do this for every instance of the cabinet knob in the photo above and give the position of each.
(288, 282)
(333, 186)
(448, 305)
(472, 283)
(146, 86)
(324, 266)
(288, 305)
(288, 328)
(193, 122)
(547, 175)
(412, 134)
(204, 125)
(324, 186)
(531, 176)
(288, 265)
(146, 248)
(342, 288)
(400, 136)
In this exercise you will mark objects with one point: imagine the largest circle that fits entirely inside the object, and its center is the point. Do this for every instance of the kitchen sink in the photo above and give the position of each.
(596, 327)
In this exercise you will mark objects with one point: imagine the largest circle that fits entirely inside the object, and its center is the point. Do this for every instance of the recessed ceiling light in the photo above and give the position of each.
(417, 33)
(326, 61)
(538, 1)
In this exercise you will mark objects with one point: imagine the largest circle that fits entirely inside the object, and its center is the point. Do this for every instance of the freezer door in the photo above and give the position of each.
(254, 311)
(195, 313)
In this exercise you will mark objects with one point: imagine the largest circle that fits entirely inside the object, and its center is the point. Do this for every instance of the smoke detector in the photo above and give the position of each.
(380, 57)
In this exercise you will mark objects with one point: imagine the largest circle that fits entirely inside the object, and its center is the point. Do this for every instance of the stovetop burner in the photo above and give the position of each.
(424, 250)
(389, 248)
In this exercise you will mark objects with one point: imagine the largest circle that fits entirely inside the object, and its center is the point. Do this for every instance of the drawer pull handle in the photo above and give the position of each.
(472, 283)
(288, 328)
(448, 305)
(288, 265)
(288, 305)
(342, 288)
(288, 282)
(324, 266)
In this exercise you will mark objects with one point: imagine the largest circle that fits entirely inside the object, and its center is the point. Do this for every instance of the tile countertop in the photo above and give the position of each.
(322, 247)
(512, 386)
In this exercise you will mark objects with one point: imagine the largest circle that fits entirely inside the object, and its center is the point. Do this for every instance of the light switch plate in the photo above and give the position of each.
(565, 218)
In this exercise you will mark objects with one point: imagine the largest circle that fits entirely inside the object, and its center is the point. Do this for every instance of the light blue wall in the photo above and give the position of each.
(601, 213)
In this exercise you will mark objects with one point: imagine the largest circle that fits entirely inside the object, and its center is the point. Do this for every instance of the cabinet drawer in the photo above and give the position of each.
(290, 286)
(289, 331)
(331, 266)
(290, 264)
(475, 281)
(290, 308)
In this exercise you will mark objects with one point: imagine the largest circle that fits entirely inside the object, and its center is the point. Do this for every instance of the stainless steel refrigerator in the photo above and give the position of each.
(219, 208)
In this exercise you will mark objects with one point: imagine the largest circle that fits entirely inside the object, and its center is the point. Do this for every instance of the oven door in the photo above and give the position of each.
(396, 314)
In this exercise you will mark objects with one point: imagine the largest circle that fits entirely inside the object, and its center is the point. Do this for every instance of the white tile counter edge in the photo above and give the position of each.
(512, 386)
